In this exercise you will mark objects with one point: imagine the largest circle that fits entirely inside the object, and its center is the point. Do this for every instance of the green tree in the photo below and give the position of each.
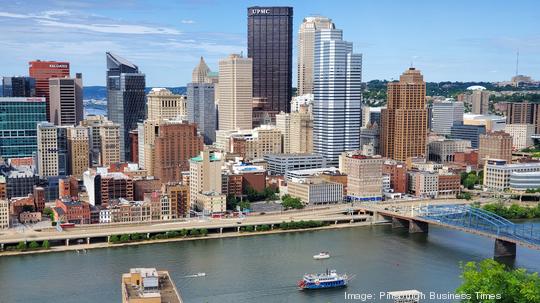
(124, 238)
(232, 202)
(21, 245)
(183, 232)
(290, 202)
(470, 181)
(47, 211)
(204, 231)
(194, 232)
(244, 205)
(46, 244)
(491, 277)
(114, 239)
(33, 245)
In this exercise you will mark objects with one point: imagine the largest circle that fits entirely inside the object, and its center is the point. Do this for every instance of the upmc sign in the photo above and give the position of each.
(261, 11)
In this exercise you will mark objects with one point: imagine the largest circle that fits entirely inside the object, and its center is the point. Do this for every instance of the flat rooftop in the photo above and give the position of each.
(167, 291)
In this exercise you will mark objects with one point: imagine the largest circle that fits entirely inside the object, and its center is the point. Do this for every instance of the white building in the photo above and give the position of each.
(280, 164)
(497, 174)
(445, 114)
(521, 135)
(104, 215)
(4, 214)
(302, 101)
(337, 93)
(315, 191)
(47, 151)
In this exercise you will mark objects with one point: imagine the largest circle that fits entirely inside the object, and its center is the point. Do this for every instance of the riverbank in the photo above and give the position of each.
(82, 247)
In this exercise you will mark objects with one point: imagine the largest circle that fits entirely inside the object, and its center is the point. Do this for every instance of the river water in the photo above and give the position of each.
(260, 269)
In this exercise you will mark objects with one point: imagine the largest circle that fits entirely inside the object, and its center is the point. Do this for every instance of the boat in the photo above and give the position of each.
(200, 274)
(329, 279)
(322, 255)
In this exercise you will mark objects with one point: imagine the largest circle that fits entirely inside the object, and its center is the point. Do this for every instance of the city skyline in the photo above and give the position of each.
(166, 42)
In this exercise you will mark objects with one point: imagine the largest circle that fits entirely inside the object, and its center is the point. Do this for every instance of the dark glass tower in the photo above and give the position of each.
(19, 87)
(270, 46)
(126, 98)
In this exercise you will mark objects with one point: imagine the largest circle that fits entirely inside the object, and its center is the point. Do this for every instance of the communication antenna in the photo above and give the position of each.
(517, 62)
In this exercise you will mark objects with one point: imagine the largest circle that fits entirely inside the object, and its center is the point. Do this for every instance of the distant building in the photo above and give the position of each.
(126, 98)
(315, 191)
(178, 196)
(397, 171)
(163, 104)
(423, 184)
(480, 101)
(280, 164)
(443, 150)
(444, 115)
(205, 177)
(523, 113)
(18, 87)
(42, 71)
(235, 93)
(66, 100)
(491, 122)
(305, 101)
(71, 211)
(370, 135)
(256, 143)
(497, 174)
(495, 145)
(78, 150)
(20, 116)
(103, 187)
(283, 124)
(147, 285)
(47, 151)
(20, 180)
(468, 132)
(202, 109)
(4, 214)
(364, 176)
(521, 135)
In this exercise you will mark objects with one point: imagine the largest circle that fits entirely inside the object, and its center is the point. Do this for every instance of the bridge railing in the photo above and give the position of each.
(475, 218)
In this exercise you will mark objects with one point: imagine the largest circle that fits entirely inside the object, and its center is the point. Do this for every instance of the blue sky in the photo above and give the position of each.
(456, 40)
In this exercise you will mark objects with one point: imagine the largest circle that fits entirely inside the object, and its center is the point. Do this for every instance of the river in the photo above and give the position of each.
(260, 269)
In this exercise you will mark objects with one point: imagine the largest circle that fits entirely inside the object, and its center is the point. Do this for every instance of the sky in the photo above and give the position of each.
(458, 40)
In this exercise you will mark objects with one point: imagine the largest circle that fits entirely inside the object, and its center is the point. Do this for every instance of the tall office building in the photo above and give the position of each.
(78, 150)
(42, 71)
(444, 115)
(18, 87)
(404, 121)
(66, 100)
(337, 95)
(270, 46)
(47, 151)
(200, 73)
(480, 101)
(126, 99)
(235, 93)
(204, 179)
(163, 104)
(495, 145)
(301, 133)
(19, 117)
(202, 109)
(306, 48)
(523, 113)
(283, 124)
(104, 140)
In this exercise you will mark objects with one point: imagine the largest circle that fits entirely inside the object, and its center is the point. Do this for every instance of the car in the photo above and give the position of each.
(238, 222)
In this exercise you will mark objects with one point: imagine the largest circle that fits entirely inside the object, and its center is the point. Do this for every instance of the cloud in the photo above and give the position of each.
(187, 21)
(113, 28)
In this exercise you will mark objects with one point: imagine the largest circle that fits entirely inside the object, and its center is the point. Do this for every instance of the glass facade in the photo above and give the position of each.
(467, 132)
(202, 109)
(270, 46)
(18, 120)
(18, 87)
(126, 98)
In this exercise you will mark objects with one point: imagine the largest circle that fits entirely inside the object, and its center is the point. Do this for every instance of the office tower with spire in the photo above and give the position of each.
(306, 46)
(337, 95)
(270, 46)
(126, 99)
(201, 102)
(66, 100)
(235, 93)
(404, 121)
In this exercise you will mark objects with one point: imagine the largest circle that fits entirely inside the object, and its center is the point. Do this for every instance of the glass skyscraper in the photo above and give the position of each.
(19, 117)
(337, 106)
(202, 109)
(126, 98)
(270, 46)
(18, 87)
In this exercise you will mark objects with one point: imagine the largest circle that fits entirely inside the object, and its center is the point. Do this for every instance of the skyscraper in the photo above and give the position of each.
(444, 115)
(126, 99)
(18, 121)
(202, 109)
(337, 95)
(78, 150)
(66, 100)
(163, 104)
(235, 93)
(47, 151)
(270, 46)
(42, 71)
(18, 87)
(480, 101)
(404, 121)
(306, 47)
(200, 73)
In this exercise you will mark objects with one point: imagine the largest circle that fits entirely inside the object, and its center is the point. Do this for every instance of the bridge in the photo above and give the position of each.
(464, 218)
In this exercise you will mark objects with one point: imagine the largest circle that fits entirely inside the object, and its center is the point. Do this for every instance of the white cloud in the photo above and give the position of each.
(187, 21)
(113, 28)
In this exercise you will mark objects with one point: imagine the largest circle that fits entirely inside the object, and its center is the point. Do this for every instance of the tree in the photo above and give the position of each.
(290, 202)
(491, 277)
(47, 211)
(232, 202)
(21, 245)
(194, 232)
(114, 239)
(33, 245)
(124, 238)
(46, 244)
(244, 205)
(204, 231)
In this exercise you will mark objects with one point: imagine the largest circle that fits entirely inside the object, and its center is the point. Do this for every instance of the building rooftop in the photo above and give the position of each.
(149, 285)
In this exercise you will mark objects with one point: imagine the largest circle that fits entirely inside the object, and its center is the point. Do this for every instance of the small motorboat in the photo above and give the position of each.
(200, 274)
(322, 255)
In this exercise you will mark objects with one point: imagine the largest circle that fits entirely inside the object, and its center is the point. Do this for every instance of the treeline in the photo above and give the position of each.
(23, 246)
(137, 237)
(513, 211)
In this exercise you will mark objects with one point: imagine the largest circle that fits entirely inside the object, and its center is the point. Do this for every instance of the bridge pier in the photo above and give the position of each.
(2, 247)
(220, 230)
(67, 242)
(504, 249)
(399, 223)
(88, 240)
(418, 227)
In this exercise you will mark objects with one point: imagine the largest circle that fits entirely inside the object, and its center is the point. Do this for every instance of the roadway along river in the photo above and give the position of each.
(259, 268)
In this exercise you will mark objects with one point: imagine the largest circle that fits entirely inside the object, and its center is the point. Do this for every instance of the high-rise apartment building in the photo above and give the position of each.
(523, 113)
(104, 140)
(495, 145)
(235, 93)
(521, 135)
(404, 121)
(126, 98)
(19, 117)
(306, 51)
(270, 46)
(18, 87)
(480, 101)
(444, 115)
(42, 71)
(47, 149)
(66, 100)
(175, 143)
(337, 95)
(78, 150)
(163, 104)
(202, 109)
